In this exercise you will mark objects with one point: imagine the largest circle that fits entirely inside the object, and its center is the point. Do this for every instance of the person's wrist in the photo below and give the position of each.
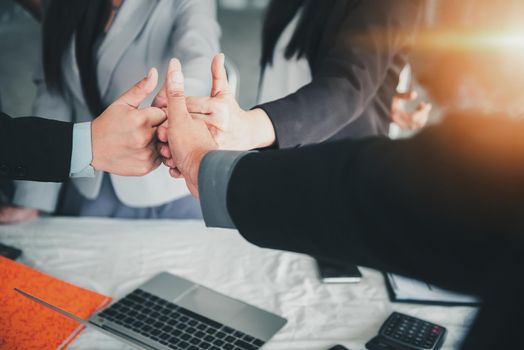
(196, 158)
(260, 130)
(96, 162)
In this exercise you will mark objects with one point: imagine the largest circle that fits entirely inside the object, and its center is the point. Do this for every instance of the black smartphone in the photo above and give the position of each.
(9, 252)
(331, 273)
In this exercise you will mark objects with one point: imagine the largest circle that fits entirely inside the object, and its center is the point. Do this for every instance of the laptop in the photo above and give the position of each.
(170, 312)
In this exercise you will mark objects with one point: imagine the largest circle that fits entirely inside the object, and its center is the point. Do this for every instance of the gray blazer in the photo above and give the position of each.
(145, 34)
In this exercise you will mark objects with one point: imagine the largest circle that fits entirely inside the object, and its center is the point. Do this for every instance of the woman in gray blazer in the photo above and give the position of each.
(92, 51)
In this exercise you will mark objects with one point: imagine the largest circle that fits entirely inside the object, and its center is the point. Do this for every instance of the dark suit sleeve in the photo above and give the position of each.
(35, 149)
(436, 206)
(373, 34)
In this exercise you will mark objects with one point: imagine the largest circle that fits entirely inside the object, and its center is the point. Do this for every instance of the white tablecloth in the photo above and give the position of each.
(115, 256)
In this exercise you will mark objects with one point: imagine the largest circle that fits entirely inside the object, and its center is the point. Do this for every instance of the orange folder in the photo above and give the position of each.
(25, 324)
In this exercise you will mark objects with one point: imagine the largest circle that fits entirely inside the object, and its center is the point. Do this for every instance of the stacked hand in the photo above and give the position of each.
(124, 136)
(186, 139)
(232, 127)
(123, 141)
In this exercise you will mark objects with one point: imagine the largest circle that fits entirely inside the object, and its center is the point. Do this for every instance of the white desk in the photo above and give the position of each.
(113, 257)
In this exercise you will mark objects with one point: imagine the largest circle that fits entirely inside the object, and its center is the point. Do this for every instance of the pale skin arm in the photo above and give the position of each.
(189, 139)
(123, 148)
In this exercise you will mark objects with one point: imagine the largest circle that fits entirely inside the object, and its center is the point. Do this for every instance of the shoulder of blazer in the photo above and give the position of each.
(331, 28)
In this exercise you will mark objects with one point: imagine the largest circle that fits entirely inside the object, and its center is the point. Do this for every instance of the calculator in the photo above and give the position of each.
(403, 332)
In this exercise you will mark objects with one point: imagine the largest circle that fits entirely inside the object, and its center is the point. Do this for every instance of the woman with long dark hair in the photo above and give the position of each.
(330, 70)
(92, 51)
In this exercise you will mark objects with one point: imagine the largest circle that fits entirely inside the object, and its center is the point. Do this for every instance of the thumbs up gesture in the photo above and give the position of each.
(231, 127)
(124, 136)
(186, 139)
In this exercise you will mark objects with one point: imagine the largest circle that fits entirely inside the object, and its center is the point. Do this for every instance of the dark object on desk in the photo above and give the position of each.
(406, 290)
(403, 332)
(339, 347)
(9, 252)
(337, 273)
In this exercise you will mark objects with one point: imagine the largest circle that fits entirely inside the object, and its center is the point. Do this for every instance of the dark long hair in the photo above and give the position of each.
(84, 20)
(307, 36)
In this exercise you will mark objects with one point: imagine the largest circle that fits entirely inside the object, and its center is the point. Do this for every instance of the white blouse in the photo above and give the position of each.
(284, 76)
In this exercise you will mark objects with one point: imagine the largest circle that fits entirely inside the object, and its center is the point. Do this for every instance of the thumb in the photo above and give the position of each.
(219, 74)
(136, 95)
(176, 100)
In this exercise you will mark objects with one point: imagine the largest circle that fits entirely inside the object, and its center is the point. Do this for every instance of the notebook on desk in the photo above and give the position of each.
(27, 325)
(407, 290)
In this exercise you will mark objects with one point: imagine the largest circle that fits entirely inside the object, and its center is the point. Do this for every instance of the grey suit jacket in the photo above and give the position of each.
(145, 34)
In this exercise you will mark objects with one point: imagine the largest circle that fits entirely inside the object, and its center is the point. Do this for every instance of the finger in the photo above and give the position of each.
(200, 105)
(160, 100)
(136, 95)
(155, 116)
(421, 115)
(176, 101)
(174, 172)
(161, 133)
(164, 151)
(219, 74)
(205, 118)
(170, 163)
(407, 96)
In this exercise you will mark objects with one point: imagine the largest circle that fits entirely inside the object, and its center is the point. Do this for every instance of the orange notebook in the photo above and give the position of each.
(25, 324)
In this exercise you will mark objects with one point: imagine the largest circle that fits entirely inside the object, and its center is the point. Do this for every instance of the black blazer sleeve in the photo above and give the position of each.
(443, 205)
(349, 75)
(35, 149)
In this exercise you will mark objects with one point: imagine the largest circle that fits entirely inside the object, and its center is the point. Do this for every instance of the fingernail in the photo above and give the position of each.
(178, 77)
(150, 74)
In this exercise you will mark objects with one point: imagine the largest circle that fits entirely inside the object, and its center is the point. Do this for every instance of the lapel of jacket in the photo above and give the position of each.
(131, 19)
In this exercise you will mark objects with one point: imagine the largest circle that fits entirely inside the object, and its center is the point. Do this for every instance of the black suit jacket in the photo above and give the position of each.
(446, 206)
(35, 149)
(361, 52)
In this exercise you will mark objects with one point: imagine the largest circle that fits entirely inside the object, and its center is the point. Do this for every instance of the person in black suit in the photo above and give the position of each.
(44, 150)
(444, 206)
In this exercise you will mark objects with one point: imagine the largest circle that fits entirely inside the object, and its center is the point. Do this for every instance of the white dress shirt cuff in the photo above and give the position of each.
(82, 154)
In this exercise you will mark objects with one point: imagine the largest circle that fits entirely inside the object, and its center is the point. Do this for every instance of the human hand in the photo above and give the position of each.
(188, 139)
(232, 127)
(124, 136)
(406, 120)
(12, 215)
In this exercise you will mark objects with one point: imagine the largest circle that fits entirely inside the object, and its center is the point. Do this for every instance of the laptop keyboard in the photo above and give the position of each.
(175, 326)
